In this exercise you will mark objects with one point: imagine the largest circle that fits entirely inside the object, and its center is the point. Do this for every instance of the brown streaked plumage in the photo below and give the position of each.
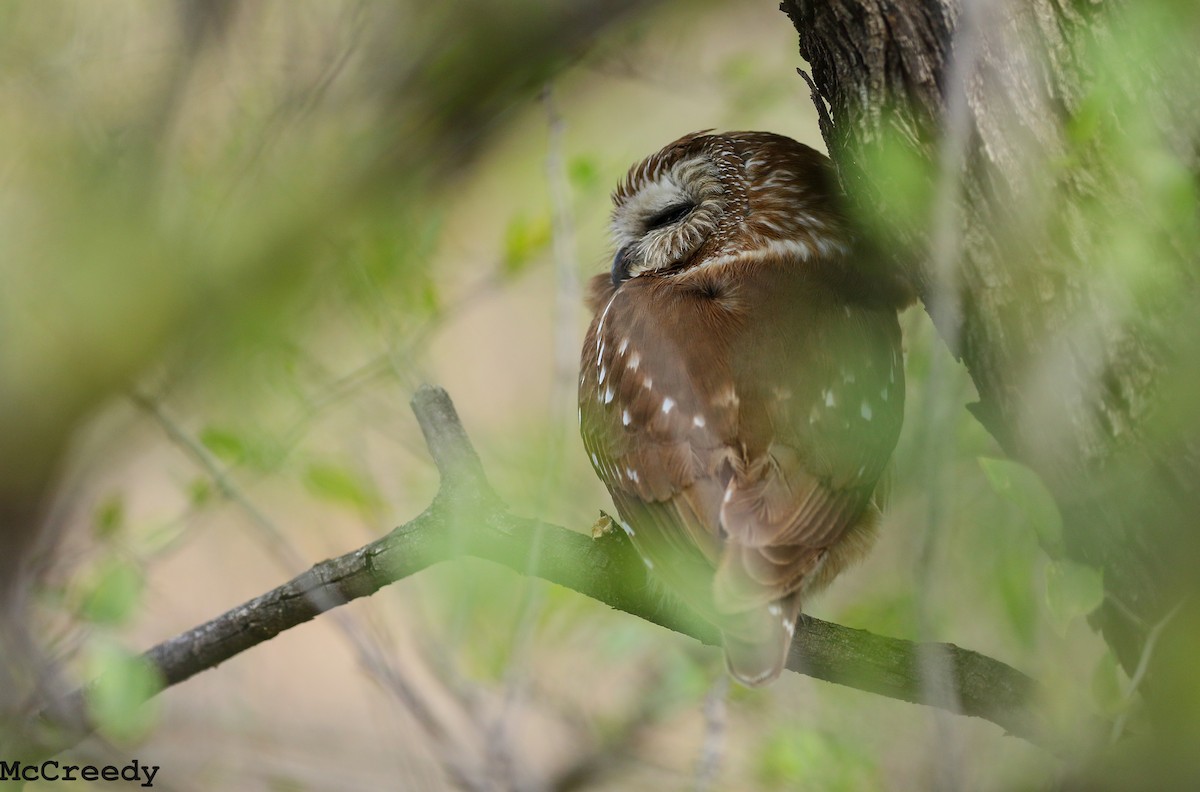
(741, 384)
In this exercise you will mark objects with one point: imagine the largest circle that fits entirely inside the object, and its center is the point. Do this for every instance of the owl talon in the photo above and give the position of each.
(604, 526)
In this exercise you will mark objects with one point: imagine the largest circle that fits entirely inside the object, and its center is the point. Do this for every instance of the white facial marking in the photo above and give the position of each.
(667, 405)
(698, 421)
(625, 417)
(865, 410)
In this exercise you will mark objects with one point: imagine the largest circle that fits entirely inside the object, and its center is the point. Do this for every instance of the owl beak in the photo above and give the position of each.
(620, 265)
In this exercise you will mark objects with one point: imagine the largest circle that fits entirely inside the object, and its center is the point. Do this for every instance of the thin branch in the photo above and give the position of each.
(467, 518)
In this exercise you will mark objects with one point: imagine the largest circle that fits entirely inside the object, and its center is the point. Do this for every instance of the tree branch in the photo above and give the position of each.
(467, 518)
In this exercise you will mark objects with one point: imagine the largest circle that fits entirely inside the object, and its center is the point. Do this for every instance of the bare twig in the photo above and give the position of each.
(466, 518)
(713, 749)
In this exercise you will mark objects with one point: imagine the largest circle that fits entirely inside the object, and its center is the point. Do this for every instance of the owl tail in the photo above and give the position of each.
(757, 641)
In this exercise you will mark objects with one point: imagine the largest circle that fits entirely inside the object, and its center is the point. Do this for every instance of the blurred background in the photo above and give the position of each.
(234, 238)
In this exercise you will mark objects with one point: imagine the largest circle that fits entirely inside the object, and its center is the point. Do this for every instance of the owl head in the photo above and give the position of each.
(709, 197)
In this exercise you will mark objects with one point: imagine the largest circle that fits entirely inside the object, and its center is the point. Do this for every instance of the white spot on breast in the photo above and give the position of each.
(774, 609)
(667, 405)
(595, 460)
(830, 399)
(603, 374)
(790, 626)
(865, 410)
(608, 394)
(698, 421)
(624, 345)
(728, 496)
(625, 417)
(648, 383)
(579, 415)
(628, 530)
(635, 360)
(633, 474)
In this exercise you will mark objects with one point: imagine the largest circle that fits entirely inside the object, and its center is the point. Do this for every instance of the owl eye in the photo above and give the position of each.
(672, 214)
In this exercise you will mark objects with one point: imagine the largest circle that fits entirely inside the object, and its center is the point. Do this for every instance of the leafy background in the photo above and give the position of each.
(210, 229)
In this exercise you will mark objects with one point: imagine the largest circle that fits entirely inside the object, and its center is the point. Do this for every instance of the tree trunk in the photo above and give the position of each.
(1070, 291)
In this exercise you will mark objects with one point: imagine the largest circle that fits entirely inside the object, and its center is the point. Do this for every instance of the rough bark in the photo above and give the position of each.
(1025, 300)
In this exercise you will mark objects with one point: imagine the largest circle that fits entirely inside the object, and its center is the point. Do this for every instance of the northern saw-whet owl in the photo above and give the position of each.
(741, 386)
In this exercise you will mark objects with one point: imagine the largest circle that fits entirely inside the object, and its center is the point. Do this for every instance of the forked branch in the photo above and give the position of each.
(467, 518)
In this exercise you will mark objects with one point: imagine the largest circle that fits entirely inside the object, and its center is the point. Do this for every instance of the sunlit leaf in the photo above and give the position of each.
(224, 444)
(115, 593)
(1072, 590)
(798, 758)
(1106, 685)
(524, 239)
(583, 173)
(120, 697)
(340, 485)
(1022, 487)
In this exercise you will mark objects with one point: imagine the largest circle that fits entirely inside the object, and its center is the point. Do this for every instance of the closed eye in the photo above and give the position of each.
(672, 214)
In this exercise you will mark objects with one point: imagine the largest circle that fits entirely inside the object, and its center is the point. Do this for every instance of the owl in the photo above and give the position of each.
(741, 386)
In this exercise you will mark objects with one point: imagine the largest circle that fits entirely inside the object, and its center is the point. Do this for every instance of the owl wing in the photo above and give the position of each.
(826, 407)
(637, 410)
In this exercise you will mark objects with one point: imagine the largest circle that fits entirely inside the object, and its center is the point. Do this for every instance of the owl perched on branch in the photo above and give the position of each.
(741, 384)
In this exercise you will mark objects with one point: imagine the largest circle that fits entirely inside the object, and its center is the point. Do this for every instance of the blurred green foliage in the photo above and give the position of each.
(281, 229)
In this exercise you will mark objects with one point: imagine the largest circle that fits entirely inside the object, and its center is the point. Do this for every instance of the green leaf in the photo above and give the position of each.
(583, 173)
(1072, 590)
(1021, 486)
(524, 239)
(200, 491)
(120, 697)
(1106, 686)
(110, 517)
(114, 594)
(798, 758)
(339, 485)
(225, 445)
